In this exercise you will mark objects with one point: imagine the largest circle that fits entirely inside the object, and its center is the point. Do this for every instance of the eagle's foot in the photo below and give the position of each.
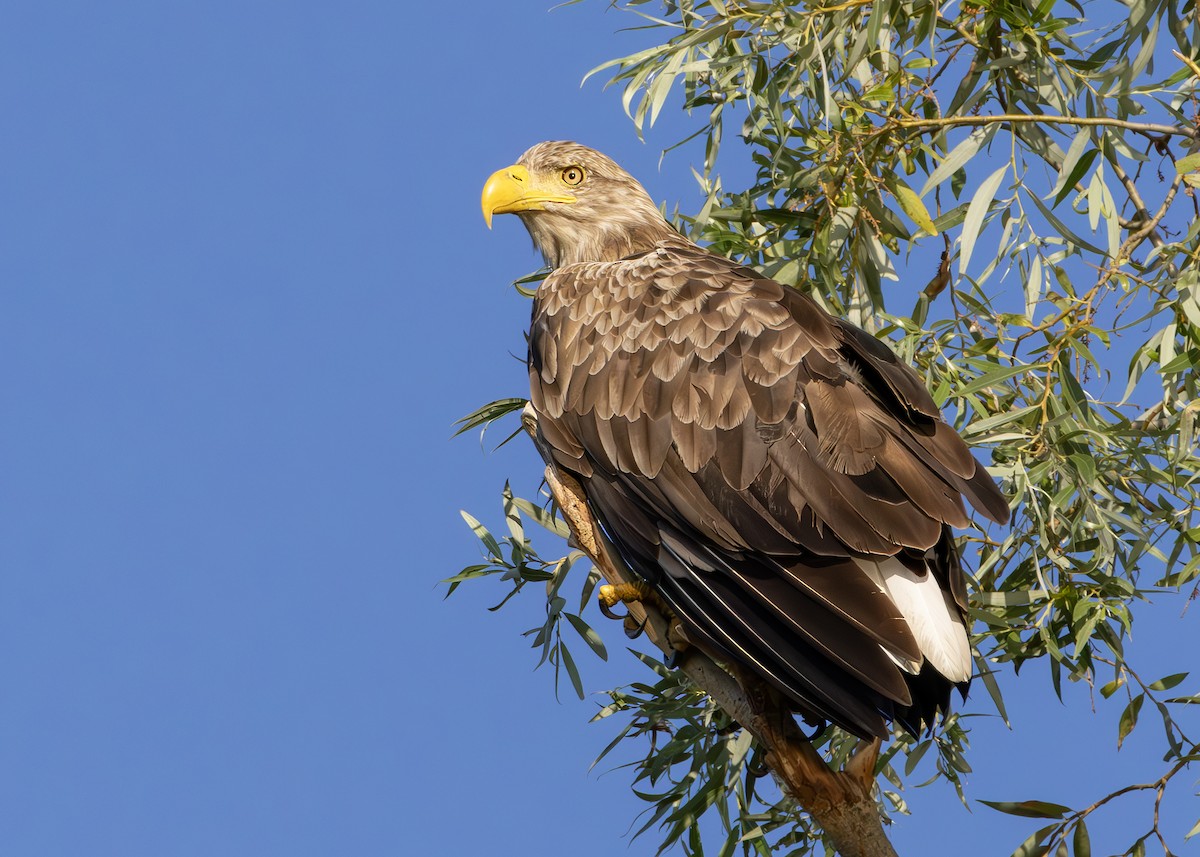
(633, 628)
(610, 596)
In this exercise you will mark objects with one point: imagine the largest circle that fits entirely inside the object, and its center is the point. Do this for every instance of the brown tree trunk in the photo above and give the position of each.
(841, 802)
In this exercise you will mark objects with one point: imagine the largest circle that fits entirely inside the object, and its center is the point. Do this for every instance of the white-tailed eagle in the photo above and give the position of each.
(780, 479)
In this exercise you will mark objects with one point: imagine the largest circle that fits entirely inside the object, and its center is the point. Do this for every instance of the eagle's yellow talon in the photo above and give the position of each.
(610, 596)
(607, 596)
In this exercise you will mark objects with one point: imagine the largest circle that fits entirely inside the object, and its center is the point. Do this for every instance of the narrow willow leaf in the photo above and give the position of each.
(1062, 229)
(984, 427)
(469, 573)
(1033, 286)
(1108, 210)
(914, 208)
(976, 211)
(1081, 842)
(658, 92)
(1129, 718)
(1028, 808)
(1076, 175)
(1016, 598)
(990, 378)
(988, 677)
(1188, 163)
(543, 518)
(481, 533)
(1073, 394)
(1095, 198)
(488, 414)
(914, 757)
(589, 635)
(512, 517)
(1168, 682)
(1068, 174)
(957, 158)
(880, 260)
(572, 670)
(1032, 847)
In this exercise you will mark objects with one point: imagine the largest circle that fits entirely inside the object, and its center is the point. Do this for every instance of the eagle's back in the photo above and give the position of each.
(785, 483)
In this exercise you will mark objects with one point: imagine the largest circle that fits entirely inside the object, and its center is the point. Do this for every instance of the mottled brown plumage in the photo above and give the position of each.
(784, 482)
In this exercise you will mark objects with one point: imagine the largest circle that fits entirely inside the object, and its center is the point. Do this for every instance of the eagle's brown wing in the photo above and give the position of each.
(766, 467)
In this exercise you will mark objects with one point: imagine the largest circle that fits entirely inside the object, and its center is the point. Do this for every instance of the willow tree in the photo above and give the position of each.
(1037, 161)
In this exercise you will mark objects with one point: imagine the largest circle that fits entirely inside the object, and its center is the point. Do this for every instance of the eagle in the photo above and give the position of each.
(775, 474)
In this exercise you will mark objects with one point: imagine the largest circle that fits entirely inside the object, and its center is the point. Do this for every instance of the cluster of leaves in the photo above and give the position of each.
(514, 560)
(1034, 165)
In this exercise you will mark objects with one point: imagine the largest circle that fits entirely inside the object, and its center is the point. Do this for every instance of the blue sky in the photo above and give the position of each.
(246, 292)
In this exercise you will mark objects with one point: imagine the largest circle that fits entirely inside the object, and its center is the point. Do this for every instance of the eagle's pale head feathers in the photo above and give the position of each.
(577, 204)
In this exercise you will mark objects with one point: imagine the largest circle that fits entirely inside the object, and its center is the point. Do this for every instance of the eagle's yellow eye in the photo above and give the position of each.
(573, 176)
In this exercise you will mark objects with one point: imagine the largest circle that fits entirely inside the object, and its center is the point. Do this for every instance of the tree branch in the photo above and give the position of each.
(1146, 128)
(840, 801)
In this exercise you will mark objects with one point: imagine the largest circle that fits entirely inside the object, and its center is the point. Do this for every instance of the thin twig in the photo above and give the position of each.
(1147, 128)
(849, 4)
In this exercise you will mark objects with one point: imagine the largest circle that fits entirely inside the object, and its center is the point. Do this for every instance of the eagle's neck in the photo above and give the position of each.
(563, 241)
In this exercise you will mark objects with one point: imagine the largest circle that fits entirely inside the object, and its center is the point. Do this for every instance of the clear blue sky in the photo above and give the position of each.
(246, 290)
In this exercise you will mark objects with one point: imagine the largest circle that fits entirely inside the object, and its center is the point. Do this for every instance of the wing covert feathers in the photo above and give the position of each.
(784, 481)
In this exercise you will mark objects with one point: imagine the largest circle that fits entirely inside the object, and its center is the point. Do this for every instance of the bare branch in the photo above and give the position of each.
(1146, 128)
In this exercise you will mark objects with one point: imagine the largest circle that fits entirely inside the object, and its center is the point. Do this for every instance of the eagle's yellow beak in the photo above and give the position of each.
(512, 189)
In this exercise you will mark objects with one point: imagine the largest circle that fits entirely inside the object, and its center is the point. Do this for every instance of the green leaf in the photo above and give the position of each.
(589, 635)
(1081, 842)
(1033, 286)
(543, 517)
(1076, 175)
(1029, 808)
(915, 755)
(958, 157)
(1168, 682)
(1015, 598)
(481, 533)
(981, 203)
(512, 518)
(1073, 392)
(984, 427)
(913, 207)
(1062, 229)
(488, 414)
(1129, 718)
(1188, 163)
(990, 379)
(988, 677)
(569, 663)
(1032, 847)
(1071, 171)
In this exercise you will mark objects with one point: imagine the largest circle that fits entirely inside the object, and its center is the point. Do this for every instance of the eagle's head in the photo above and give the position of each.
(577, 204)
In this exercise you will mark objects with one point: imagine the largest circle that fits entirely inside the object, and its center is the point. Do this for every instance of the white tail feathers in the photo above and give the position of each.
(931, 615)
